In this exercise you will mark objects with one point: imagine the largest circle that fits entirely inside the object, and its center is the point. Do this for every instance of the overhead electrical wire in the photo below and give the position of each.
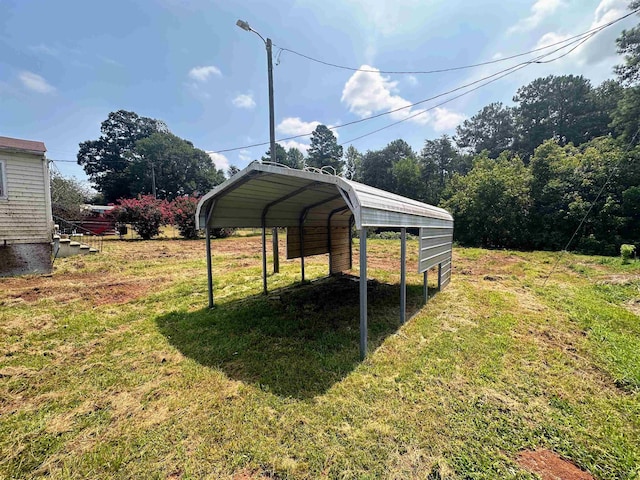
(452, 69)
(576, 42)
(422, 112)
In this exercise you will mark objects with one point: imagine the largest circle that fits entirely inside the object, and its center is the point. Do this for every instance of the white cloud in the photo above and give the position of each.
(600, 47)
(244, 155)
(444, 119)
(412, 80)
(219, 160)
(368, 93)
(202, 74)
(296, 126)
(293, 126)
(303, 147)
(35, 82)
(540, 10)
(244, 100)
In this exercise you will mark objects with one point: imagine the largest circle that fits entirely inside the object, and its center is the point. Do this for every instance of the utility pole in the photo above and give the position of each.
(153, 180)
(272, 127)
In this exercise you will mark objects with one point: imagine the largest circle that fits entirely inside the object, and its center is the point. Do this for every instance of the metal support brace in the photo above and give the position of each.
(363, 293)
(425, 289)
(403, 275)
(264, 259)
(439, 276)
(276, 253)
(301, 223)
(207, 230)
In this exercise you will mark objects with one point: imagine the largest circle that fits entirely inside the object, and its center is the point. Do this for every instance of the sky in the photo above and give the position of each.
(65, 65)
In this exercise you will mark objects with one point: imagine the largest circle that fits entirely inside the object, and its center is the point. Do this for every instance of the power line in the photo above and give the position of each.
(584, 218)
(513, 70)
(451, 69)
(580, 39)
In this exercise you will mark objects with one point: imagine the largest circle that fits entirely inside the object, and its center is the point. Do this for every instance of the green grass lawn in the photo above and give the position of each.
(113, 367)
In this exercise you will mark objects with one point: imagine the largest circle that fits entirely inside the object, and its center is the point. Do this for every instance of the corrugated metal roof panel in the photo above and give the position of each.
(285, 193)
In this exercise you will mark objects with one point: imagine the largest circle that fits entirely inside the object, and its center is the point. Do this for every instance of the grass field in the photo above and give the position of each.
(113, 367)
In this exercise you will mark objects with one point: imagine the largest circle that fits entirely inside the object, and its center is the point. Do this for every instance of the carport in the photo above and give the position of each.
(318, 210)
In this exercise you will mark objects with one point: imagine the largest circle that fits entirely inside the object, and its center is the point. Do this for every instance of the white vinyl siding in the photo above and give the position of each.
(25, 211)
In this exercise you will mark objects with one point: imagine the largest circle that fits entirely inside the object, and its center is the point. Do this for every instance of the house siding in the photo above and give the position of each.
(25, 213)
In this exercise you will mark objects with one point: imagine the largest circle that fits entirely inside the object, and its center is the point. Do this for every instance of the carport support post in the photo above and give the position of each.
(439, 276)
(363, 292)
(403, 275)
(276, 257)
(209, 273)
(264, 259)
(425, 288)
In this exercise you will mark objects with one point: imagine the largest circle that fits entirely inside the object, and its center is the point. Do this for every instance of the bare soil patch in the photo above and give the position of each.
(550, 466)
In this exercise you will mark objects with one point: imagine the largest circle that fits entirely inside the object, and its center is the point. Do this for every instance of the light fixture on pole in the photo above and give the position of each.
(272, 129)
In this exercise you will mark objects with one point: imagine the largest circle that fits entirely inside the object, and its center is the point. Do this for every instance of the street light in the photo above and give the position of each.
(272, 131)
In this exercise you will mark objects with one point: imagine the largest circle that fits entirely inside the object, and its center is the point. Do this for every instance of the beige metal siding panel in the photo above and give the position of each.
(316, 241)
(340, 258)
(25, 213)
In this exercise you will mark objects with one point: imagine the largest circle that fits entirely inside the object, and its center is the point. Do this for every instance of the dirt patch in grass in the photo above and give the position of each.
(620, 279)
(633, 306)
(96, 289)
(550, 466)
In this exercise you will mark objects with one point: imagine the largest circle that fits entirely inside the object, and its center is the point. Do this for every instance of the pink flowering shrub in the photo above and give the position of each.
(146, 214)
(183, 210)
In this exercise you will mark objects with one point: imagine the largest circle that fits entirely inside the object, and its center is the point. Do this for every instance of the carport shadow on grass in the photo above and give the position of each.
(296, 342)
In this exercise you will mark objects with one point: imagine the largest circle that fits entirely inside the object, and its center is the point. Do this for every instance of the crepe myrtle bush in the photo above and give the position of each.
(183, 210)
(145, 214)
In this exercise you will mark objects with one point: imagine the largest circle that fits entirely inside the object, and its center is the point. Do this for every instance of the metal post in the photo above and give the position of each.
(272, 141)
(363, 293)
(264, 259)
(403, 275)
(209, 273)
(276, 258)
(153, 180)
(439, 276)
(302, 249)
(425, 289)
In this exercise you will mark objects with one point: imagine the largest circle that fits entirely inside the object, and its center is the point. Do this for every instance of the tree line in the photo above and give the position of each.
(520, 176)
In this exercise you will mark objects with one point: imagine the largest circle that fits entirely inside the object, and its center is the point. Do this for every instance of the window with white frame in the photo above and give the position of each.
(3, 180)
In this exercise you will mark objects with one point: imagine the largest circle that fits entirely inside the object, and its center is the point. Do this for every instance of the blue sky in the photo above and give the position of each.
(65, 65)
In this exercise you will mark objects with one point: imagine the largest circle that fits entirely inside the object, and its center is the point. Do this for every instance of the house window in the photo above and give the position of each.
(3, 180)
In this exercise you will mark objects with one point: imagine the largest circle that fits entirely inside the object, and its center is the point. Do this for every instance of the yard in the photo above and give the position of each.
(113, 367)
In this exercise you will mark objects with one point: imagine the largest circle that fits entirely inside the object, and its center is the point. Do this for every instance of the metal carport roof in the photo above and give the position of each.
(268, 196)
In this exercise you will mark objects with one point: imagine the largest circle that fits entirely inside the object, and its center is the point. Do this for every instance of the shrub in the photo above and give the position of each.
(222, 232)
(183, 210)
(627, 251)
(146, 214)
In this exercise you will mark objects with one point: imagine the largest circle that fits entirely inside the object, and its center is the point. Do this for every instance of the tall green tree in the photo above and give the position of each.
(491, 203)
(353, 164)
(281, 155)
(407, 176)
(324, 150)
(295, 158)
(626, 117)
(377, 165)
(491, 129)
(629, 45)
(107, 160)
(179, 168)
(440, 160)
(68, 195)
(557, 107)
